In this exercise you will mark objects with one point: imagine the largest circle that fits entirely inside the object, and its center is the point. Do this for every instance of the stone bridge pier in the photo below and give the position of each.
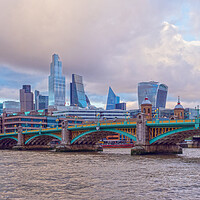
(142, 145)
(21, 140)
(66, 146)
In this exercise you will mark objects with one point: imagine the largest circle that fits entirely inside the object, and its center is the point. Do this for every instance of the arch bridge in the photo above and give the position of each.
(156, 136)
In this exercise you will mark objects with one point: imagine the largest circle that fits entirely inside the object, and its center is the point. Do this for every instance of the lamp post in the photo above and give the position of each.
(126, 114)
(15, 127)
(129, 119)
(98, 116)
(75, 121)
(57, 120)
(157, 120)
(98, 124)
(40, 127)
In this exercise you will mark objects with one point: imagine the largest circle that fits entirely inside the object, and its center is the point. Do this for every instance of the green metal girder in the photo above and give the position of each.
(48, 134)
(103, 126)
(110, 130)
(170, 133)
(9, 137)
(180, 124)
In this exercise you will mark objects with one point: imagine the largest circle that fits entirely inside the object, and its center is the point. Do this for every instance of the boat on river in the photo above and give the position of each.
(116, 144)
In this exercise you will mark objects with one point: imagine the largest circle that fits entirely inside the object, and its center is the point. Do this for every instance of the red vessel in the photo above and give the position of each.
(116, 144)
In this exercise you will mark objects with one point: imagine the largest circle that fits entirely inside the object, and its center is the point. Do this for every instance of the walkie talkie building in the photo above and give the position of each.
(155, 91)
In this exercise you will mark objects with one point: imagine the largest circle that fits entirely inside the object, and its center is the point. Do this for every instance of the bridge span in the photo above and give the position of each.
(156, 136)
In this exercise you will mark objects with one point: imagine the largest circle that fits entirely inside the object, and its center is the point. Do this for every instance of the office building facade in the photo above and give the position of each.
(36, 94)
(26, 98)
(32, 121)
(41, 101)
(11, 106)
(1, 108)
(155, 91)
(112, 100)
(56, 83)
(90, 114)
(77, 93)
(121, 106)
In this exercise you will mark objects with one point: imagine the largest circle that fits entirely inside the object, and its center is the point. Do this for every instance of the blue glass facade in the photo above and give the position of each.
(56, 83)
(121, 106)
(112, 100)
(41, 102)
(155, 91)
(1, 108)
(77, 93)
(36, 95)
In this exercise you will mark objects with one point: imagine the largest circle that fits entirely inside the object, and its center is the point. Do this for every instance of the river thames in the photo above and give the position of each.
(111, 174)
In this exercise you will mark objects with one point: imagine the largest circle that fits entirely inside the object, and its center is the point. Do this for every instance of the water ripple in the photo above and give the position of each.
(112, 174)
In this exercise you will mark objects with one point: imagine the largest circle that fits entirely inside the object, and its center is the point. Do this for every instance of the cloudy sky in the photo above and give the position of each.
(115, 43)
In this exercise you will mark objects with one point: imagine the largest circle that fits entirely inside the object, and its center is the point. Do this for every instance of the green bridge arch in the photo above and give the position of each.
(47, 134)
(171, 133)
(9, 137)
(109, 130)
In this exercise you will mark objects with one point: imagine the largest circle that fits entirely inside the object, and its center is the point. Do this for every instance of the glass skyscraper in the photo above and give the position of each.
(155, 91)
(112, 100)
(56, 83)
(77, 93)
(41, 101)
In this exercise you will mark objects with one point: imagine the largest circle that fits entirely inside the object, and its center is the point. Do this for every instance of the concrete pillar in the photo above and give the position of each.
(66, 134)
(142, 130)
(20, 137)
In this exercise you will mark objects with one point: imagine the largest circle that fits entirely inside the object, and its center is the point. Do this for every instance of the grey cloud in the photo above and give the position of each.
(109, 42)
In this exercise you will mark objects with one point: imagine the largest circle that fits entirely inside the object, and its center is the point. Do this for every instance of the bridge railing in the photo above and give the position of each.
(102, 124)
(171, 121)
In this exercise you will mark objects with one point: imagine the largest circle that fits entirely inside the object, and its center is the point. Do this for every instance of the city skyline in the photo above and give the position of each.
(108, 43)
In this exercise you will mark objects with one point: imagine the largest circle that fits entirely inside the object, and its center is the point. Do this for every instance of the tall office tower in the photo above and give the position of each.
(112, 100)
(41, 101)
(26, 98)
(155, 91)
(77, 93)
(56, 83)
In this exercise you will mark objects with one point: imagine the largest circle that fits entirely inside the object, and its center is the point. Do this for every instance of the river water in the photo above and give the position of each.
(111, 174)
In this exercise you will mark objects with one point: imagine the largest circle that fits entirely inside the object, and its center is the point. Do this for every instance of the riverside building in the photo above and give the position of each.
(32, 121)
(90, 114)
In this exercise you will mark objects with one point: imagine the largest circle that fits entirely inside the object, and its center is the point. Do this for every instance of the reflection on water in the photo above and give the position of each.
(111, 174)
